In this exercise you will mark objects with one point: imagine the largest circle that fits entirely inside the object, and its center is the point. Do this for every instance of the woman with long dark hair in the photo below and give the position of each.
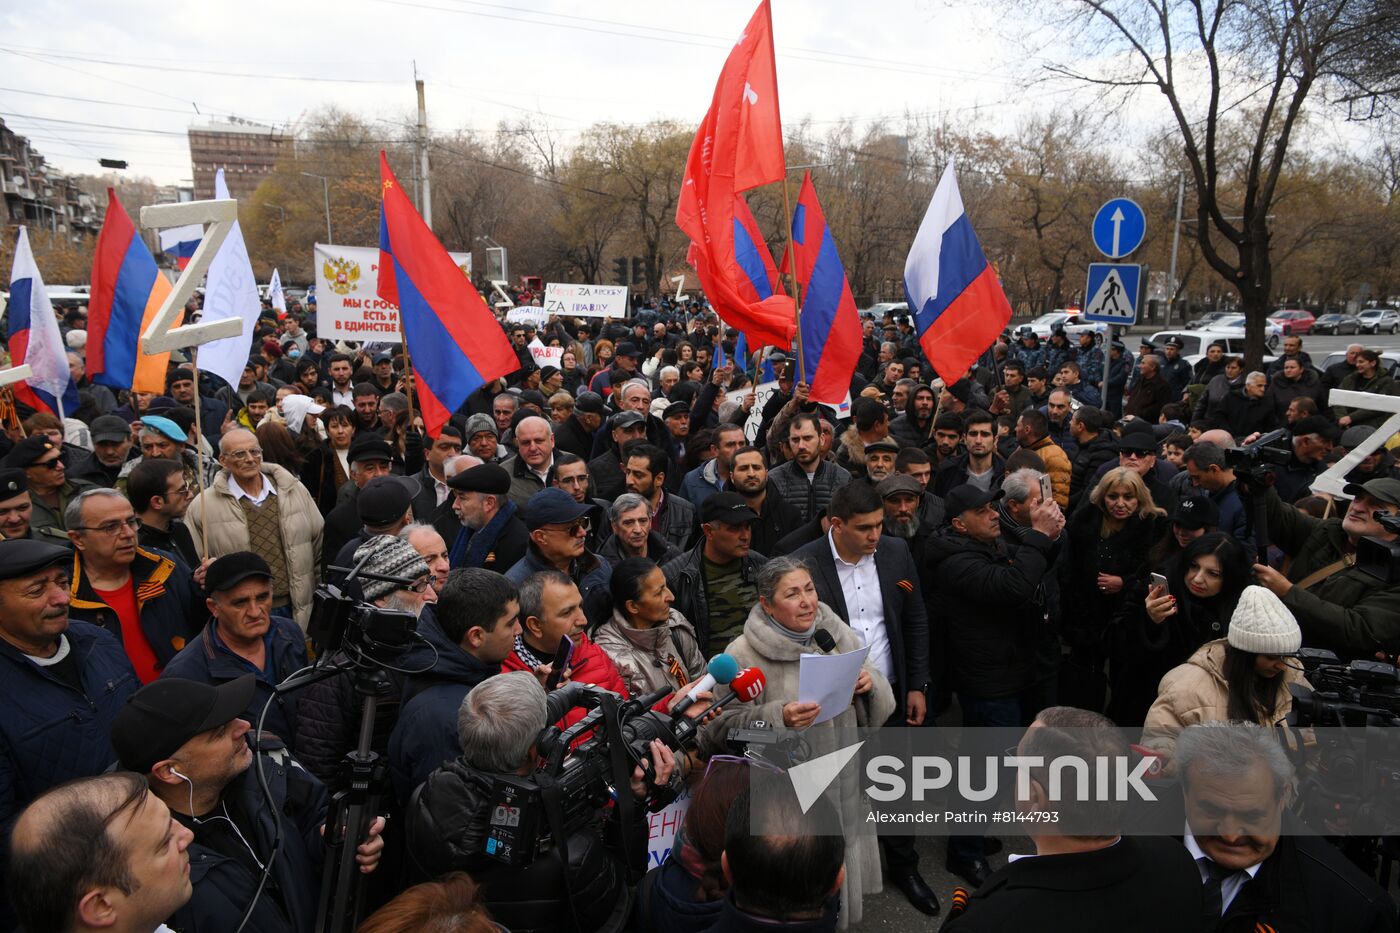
(1103, 569)
(327, 467)
(1170, 622)
(1243, 677)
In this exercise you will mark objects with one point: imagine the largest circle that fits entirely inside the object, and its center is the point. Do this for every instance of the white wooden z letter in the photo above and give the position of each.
(162, 336)
(1334, 479)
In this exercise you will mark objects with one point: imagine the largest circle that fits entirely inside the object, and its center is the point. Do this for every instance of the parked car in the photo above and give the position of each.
(1207, 319)
(1293, 321)
(1337, 324)
(1195, 342)
(1376, 320)
(878, 311)
(1390, 361)
(1234, 324)
(1072, 323)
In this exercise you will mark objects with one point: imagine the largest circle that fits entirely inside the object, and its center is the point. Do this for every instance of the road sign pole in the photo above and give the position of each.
(1107, 348)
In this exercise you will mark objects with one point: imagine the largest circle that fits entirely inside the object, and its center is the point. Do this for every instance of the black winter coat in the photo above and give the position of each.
(1102, 449)
(1087, 554)
(223, 886)
(991, 600)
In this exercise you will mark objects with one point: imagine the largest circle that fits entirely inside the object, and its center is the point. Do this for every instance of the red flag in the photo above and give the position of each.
(738, 146)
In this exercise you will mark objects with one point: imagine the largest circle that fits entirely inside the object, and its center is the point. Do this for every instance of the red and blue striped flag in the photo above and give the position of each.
(831, 338)
(127, 292)
(454, 342)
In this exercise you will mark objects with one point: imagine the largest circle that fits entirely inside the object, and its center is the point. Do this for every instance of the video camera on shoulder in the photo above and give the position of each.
(1254, 463)
(1361, 693)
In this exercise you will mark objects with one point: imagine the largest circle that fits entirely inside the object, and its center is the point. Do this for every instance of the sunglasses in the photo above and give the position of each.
(757, 761)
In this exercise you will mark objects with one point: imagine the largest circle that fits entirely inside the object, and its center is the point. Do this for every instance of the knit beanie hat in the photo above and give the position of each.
(391, 557)
(476, 424)
(1263, 625)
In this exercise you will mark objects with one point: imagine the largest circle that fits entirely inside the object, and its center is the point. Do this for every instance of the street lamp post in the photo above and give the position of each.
(326, 190)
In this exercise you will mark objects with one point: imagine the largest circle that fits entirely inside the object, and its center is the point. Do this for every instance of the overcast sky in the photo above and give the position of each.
(142, 67)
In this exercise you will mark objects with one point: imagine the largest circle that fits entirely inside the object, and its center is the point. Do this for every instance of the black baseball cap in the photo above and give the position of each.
(384, 500)
(165, 714)
(232, 569)
(627, 348)
(728, 507)
(626, 419)
(967, 496)
(1196, 512)
(1136, 438)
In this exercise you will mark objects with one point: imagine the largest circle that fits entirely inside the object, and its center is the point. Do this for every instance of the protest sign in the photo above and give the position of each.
(545, 356)
(527, 314)
(662, 826)
(347, 306)
(761, 393)
(586, 300)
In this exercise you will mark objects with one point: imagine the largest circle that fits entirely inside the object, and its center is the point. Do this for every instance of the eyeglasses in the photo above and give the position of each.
(237, 456)
(114, 528)
(745, 759)
(420, 586)
(573, 528)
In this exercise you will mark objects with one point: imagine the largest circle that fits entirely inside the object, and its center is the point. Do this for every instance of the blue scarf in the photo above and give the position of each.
(470, 548)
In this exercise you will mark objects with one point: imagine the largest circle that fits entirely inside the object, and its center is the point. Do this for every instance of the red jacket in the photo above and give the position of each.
(588, 664)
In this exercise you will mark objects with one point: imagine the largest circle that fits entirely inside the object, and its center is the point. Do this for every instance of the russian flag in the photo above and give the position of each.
(958, 304)
(181, 242)
(453, 339)
(830, 324)
(34, 338)
(127, 292)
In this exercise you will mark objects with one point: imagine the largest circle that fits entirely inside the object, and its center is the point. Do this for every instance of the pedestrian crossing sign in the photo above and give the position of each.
(1112, 292)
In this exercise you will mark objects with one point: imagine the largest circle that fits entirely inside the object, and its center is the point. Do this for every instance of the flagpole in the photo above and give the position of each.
(199, 454)
(787, 211)
(409, 382)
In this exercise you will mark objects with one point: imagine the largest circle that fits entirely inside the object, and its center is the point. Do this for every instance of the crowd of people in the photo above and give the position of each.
(1013, 546)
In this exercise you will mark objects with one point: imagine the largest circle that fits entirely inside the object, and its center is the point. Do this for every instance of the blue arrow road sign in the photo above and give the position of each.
(1119, 227)
(1112, 292)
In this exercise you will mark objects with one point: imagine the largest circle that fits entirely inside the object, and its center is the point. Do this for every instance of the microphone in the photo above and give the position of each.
(721, 670)
(746, 687)
(824, 641)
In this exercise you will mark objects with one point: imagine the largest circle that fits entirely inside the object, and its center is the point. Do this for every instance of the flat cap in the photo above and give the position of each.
(370, 448)
(625, 419)
(110, 428)
(385, 499)
(590, 402)
(1382, 489)
(490, 478)
(20, 557)
(898, 484)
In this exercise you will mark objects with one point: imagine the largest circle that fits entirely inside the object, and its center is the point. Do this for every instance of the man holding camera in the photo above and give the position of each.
(1338, 604)
(579, 885)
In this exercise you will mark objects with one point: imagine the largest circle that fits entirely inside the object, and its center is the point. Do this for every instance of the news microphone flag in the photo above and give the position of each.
(958, 303)
(34, 338)
(127, 293)
(453, 339)
(181, 242)
(831, 337)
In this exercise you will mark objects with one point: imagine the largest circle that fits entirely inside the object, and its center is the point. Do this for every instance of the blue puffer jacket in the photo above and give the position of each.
(425, 736)
(208, 660)
(223, 886)
(169, 603)
(50, 732)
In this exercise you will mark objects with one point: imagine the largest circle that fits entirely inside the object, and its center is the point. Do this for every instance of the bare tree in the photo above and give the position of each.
(1208, 59)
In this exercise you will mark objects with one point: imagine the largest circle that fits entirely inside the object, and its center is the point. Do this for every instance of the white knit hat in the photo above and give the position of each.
(1263, 625)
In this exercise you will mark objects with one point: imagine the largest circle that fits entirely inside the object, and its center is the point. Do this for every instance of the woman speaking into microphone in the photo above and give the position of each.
(779, 630)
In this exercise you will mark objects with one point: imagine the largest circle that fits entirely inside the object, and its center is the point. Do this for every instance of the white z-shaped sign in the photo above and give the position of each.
(1332, 481)
(162, 336)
